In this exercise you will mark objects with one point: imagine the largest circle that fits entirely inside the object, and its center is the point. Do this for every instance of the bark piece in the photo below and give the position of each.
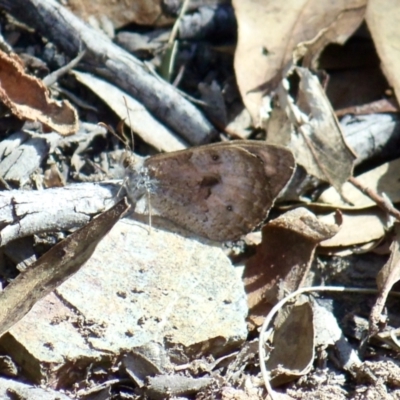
(23, 213)
(22, 156)
(28, 98)
(10, 389)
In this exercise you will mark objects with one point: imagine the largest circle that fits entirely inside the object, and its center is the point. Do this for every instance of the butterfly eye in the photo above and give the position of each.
(229, 208)
(215, 157)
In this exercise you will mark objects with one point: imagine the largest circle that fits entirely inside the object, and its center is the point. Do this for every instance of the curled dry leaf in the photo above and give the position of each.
(317, 141)
(356, 228)
(269, 32)
(293, 345)
(387, 277)
(283, 259)
(28, 98)
(54, 267)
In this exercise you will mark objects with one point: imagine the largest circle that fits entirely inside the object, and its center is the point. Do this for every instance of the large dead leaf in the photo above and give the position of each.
(317, 141)
(270, 30)
(383, 19)
(54, 267)
(282, 259)
(28, 98)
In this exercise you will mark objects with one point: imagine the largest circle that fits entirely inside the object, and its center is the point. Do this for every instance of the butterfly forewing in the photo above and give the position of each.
(220, 191)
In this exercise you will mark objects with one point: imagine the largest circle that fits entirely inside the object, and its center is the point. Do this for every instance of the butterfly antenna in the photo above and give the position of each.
(149, 205)
(111, 130)
(130, 122)
(132, 141)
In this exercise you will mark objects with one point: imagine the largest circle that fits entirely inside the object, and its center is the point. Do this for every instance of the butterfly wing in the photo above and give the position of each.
(220, 191)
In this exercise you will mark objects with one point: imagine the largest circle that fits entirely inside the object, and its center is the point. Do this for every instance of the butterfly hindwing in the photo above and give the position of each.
(220, 191)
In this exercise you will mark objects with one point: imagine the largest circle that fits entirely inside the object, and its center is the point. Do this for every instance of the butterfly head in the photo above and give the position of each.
(137, 179)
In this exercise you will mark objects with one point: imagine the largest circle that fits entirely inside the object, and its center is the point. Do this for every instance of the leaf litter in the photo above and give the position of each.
(285, 46)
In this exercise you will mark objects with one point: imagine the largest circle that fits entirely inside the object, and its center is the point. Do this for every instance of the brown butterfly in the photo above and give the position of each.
(219, 191)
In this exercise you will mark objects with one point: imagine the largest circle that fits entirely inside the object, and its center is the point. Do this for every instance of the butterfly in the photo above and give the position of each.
(219, 191)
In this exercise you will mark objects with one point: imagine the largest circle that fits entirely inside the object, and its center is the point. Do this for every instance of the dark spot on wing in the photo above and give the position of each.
(210, 180)
(206, 185)
(260, 159)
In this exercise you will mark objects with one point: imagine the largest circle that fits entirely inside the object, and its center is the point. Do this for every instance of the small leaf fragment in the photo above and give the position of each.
(28, 98)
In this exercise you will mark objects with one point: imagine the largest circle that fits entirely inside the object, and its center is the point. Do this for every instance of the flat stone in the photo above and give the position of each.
(137, 288)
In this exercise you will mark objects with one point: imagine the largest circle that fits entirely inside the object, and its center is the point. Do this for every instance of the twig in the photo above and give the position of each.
(382, 202)
(54, 76)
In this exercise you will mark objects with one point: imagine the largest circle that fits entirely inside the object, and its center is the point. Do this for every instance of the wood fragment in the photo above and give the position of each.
(26, 212)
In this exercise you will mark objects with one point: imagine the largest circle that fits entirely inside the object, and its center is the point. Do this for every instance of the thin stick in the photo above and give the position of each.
(381, 201)
(130, 122)
(55, 75)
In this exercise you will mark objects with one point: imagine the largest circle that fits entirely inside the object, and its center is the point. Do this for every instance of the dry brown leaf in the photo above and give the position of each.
(383, 19)
(387, 277)
(269, 32)
(120, 13)
(356, 228)
(292, 354)
(53, 177)
(383, 179)
(317, 143)
(54, 267)
(28, 98)
(282, 259)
